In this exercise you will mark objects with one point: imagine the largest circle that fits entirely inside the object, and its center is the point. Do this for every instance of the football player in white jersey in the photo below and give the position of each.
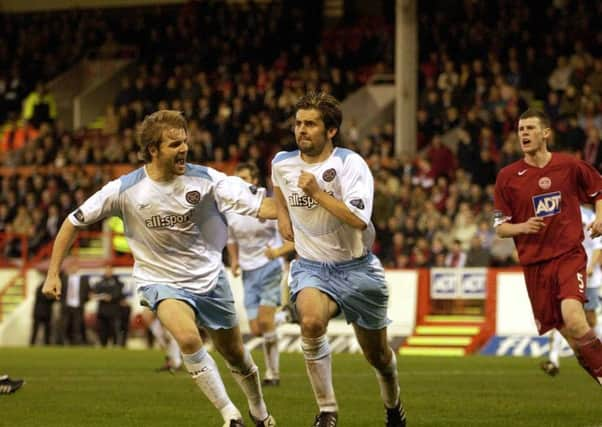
(255, 247)
(593, 249)
(324, 196)
(173, 214)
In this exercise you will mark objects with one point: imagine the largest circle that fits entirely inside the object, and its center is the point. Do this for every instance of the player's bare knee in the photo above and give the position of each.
(255, 329)
(312, 326)
(576, 325)
(189, 342)
(265, 325)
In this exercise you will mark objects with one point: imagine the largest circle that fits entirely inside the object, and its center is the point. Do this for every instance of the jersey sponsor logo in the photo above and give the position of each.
(253, 189)
(358, 203)
(158, 221)
(193, 197)
(545, 183)
(329, 174)
(521, 173)
(79, 215)
(303, 200)
(547, 204)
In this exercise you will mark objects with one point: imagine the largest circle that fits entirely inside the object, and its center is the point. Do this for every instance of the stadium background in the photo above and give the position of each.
(464, 71)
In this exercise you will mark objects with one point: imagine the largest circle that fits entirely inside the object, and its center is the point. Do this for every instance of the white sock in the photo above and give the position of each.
(555, 346)
(173, 351)
(205, 374)
(318, 363)
(247, 377)
(158, 332)
(271, 355)
(388, 382)
(598, 330)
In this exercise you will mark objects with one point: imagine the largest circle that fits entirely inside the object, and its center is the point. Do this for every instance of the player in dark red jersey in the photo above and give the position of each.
(537, 203)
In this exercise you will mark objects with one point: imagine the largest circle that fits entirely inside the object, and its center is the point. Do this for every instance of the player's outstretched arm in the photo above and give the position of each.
(62, 244)
(267, 209)
(531, 226)
(284, 221)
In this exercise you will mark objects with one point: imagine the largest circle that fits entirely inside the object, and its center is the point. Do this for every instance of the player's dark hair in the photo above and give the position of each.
(544, 119)
(151, 130)
(251, 167)
(329, 108)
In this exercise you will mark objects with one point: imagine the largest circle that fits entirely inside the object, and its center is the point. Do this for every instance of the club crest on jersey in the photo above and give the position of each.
(545, 183)
(329, 174)
(358, 203)
(547, 204)
(193, 197)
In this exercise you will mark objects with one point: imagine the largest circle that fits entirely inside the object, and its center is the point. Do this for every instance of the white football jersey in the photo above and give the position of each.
(176, 230)
(253, 236)
(590, 245)
(319, 235)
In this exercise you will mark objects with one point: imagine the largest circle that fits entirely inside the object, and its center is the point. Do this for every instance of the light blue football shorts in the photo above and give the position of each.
(213, 309)
(358, 287)
(262, 287)
(593, 298)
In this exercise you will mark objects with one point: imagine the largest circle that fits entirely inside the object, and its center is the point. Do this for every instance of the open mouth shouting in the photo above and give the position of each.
(525, 142)
(181, 162)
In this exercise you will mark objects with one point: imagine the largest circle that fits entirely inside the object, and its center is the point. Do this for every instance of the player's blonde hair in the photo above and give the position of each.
(150, 132)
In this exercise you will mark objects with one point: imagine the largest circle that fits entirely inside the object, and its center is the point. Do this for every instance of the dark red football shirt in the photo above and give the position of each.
(554, 193)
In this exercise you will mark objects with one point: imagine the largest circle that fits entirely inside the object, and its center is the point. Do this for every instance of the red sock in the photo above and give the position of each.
(590, 355)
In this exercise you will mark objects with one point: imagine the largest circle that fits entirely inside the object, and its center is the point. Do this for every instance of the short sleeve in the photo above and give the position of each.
(276, 178)
(232, 194)
(590, 182)
(102, 204)
(357, 187)
(502, 211)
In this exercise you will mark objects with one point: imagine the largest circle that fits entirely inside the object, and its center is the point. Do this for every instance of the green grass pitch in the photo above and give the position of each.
(91, 387)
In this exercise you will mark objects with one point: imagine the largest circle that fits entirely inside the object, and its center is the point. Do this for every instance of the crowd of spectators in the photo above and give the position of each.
(481, 64)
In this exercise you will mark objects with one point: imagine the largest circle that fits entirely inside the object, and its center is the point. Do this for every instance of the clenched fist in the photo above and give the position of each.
(307, 182)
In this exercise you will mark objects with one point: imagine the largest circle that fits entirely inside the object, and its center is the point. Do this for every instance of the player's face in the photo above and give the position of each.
(310, 132)
(532, 135)
(245, 175)
(171, 155)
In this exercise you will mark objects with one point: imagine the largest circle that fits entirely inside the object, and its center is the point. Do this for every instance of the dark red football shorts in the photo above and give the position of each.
(549, 282)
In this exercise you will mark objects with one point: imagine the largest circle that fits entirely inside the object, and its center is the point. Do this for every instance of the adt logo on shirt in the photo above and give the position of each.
(547, 204)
